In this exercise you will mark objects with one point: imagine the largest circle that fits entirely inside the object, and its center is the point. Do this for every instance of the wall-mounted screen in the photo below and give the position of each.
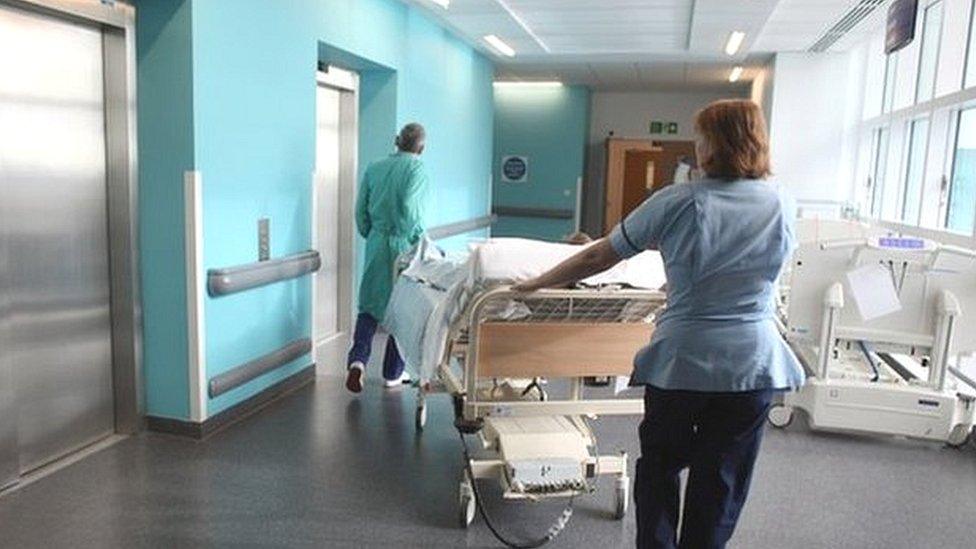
(901, 25)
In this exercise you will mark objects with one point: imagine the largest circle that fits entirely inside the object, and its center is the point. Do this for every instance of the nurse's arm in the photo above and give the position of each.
(596, 258)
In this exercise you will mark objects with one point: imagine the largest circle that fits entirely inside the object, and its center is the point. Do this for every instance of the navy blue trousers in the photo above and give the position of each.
(716, 436)
(362, 347)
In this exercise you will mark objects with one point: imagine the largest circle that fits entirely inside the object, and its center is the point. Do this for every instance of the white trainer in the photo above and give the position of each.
(354, 377)
(399, 382)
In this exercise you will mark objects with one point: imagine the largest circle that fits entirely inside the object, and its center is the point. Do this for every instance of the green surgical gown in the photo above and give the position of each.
(389, 215)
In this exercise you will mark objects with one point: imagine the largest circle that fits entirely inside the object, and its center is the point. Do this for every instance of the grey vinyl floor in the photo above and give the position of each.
(323, 469)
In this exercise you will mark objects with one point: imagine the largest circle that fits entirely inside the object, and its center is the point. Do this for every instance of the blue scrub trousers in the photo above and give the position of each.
(362, 347)
(717, 437)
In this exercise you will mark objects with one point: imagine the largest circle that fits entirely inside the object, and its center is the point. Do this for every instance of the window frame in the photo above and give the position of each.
(970, 50)
(879, 158)
(890, 198)
(890, 81)
(907, 161)
(952, 159)
(921, 51)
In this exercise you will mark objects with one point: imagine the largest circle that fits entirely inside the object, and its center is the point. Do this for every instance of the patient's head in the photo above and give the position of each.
(579, 237)
(732, 142)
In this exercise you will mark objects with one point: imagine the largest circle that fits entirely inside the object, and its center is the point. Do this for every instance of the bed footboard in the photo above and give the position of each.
(534, 349)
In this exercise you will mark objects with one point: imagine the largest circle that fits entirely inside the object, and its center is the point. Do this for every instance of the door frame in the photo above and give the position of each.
(117, 22)
(347, 84)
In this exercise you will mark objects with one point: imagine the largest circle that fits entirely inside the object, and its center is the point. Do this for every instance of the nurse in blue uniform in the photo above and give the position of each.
(716, 357)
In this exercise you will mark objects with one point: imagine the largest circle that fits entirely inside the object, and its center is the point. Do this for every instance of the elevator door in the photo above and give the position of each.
(327, 202)
(335, 173)
(55, 329)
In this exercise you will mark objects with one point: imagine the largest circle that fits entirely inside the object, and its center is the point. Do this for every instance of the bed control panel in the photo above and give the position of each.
(543, 476)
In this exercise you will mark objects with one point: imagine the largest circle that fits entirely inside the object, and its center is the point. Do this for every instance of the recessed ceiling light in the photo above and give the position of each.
(442, 3)
(736, 74)
(499, 45)
(735, 42)
(535, 84)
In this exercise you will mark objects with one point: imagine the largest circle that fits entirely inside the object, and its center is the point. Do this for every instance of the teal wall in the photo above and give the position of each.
(253, 141)
(165, 118)
(550, 126)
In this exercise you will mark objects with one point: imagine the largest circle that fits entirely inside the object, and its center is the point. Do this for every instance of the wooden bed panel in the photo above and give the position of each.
(526, 349)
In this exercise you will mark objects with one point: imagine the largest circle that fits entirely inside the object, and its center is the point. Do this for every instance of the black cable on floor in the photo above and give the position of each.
(558, 526)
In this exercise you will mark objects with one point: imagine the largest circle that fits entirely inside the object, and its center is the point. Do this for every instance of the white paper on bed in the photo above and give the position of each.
(510, 259)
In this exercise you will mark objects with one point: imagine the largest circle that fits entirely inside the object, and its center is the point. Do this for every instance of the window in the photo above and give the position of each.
(928, 59)
(961, 207)
(879, 165)
(891, 71)
(915, 171)
(970, 77)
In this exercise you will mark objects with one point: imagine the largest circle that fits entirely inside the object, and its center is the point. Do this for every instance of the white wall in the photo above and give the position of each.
(629, 115)
(815, 110)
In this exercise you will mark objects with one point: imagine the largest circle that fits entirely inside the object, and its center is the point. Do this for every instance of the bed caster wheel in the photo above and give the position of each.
(621, 498)
(959, 437)
(466, 503)
(420, 417)
(780, 416)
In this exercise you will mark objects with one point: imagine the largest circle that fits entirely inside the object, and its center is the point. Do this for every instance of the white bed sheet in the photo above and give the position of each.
(510, 259)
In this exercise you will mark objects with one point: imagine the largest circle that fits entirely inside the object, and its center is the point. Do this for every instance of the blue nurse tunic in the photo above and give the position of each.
(724, 244)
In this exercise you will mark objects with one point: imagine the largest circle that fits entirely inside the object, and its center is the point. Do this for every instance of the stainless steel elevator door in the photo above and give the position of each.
(55, 315)
(336, 139)
(327, 202)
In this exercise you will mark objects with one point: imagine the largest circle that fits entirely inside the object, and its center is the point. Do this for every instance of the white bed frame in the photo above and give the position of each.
(918, 395)
(572, 334)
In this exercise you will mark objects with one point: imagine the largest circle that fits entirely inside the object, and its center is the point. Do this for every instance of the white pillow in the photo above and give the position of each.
(511, 259)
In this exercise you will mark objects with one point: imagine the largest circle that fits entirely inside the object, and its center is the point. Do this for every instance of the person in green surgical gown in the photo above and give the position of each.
(389, 216)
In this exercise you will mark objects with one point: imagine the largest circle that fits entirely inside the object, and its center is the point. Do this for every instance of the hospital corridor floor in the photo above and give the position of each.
(320, 468)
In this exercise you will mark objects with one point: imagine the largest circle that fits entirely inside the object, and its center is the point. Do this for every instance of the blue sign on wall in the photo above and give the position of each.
(515, 169)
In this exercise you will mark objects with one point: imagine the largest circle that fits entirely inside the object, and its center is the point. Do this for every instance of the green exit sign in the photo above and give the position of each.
(659, 127)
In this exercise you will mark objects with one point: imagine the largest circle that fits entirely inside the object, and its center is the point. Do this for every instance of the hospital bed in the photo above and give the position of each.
(890, 372)
(499, 350)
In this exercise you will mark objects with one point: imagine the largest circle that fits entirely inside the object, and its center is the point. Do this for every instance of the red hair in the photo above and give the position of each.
(736, 145)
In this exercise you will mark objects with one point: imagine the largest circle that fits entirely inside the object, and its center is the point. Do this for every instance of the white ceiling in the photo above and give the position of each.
(641, 44)
(796, 24)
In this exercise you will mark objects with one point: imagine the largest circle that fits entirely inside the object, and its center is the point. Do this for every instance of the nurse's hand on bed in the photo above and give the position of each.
(594, 259)
(527, 286)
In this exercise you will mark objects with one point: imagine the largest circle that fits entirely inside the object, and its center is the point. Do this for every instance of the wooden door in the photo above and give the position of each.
(620, 198)
(642, 176)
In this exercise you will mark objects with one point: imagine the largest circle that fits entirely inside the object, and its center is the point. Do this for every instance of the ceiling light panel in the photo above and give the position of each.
(714, 20)
(528, 84)
(499, 45)
(734, 44)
